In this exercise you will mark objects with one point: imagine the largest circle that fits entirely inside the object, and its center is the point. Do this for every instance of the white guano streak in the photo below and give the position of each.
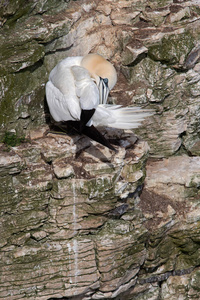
(73, 250)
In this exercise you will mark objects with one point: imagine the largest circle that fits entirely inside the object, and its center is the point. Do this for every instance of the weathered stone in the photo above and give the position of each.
(117, 17)
(182, 13)
(62, 169)
(178, 284)
(157, 17)
(37, 133)
(178, 174)
(52, 32)
(10, 164)
(72, 221)
(54, 212)
(172, 48)
(131, 54)
(193, 58)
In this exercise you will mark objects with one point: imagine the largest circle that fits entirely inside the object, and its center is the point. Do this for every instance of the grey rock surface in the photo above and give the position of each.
(76, 220)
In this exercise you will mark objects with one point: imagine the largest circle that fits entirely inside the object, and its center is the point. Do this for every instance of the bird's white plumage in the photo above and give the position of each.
(119, 117)
(61, 93)
(85, 88)
(72, 87)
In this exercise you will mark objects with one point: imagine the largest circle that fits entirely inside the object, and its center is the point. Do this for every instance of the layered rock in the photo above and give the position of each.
(73, 220)
(61, 231)
(170, 205)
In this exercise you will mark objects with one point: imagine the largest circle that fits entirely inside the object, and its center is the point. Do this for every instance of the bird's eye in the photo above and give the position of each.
(105, 80)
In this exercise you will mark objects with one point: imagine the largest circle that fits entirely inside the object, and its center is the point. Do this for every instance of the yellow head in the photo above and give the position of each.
(99, 67)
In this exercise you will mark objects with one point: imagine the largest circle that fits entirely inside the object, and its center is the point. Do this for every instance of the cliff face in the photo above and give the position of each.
(68, 226)
(77, 219)
(72, 221)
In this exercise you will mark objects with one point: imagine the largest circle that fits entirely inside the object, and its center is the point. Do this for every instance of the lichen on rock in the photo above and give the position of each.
(63, 216)
(76, 219)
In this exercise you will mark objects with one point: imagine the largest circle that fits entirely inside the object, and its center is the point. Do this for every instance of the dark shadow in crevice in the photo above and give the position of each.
(31, 68)
(137, 60)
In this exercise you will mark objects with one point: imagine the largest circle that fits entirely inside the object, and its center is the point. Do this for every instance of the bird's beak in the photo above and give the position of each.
(103, 90)
(86, 115)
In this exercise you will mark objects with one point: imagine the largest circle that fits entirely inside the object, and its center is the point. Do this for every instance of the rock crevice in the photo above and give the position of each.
(78, 221)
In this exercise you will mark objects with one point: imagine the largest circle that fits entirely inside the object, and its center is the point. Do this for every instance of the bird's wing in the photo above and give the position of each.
(62, 107)
(62, 77)
(119, 117)
(61, 92)
(85, 87)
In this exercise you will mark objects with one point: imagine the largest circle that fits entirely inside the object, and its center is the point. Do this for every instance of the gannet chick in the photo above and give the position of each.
(77, 92)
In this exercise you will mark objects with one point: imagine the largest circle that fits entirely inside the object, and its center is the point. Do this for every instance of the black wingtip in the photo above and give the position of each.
(86, 115)
(95, 135)
(92, 133)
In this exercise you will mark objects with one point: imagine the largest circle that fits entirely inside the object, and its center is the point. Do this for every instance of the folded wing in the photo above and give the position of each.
(62, 107)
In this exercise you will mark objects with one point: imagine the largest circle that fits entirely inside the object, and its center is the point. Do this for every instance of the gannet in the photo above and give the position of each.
(77, 92)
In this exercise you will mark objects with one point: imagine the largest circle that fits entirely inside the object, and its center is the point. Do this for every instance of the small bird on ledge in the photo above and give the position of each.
(77, 93)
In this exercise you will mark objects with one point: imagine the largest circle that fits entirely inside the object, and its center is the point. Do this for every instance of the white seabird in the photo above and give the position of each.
(77, 92)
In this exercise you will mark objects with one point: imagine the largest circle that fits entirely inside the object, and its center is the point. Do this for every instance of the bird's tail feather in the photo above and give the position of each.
(123, 117)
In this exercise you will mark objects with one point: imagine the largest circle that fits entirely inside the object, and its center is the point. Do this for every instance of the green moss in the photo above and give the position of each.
(157, 4)
(22, 94)
(14, 9)
(99, 187)
(7, 192)
(12, 86)
(167, 249)
(172, 48)
(22, 57)
(12, 139)
(195, 281)
(22, 73)
(196, 9)
(185, 261)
